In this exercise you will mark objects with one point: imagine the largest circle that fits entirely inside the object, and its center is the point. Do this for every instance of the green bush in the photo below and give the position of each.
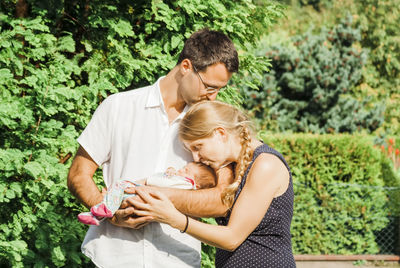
(308, 85)
(340, 192)
(58, 61)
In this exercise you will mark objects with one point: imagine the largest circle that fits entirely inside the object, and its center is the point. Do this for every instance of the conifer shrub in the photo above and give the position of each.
(308, 85)
(341, 197)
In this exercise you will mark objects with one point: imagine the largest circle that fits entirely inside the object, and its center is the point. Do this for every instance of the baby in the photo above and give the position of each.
(192, 176)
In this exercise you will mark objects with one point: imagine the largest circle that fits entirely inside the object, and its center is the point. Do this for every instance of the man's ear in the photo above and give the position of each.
(185, 66)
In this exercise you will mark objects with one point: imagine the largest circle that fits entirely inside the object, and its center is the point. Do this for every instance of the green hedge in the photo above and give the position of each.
(341, 198)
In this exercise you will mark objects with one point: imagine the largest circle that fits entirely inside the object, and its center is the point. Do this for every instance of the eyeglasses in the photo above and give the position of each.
(209, 89)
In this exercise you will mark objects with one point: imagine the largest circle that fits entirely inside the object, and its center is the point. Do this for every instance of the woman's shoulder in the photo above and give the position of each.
(267, 163)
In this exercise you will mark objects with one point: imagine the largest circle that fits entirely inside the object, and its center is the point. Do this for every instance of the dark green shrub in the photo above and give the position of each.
(305, 91)
(340, 196)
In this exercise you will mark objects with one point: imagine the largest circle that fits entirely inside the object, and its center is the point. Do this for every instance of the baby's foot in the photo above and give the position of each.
(101, 210)
(88, 218)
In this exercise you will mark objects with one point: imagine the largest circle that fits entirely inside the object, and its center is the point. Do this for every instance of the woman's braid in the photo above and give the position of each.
(245, 158)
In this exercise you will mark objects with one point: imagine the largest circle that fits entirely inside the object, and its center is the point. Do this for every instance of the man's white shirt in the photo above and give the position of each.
(130, 136)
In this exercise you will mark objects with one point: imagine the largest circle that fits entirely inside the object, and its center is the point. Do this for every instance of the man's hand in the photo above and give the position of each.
(125, 215)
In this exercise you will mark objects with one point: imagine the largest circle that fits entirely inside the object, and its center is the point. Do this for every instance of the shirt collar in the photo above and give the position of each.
(154, 99)
(154, 96)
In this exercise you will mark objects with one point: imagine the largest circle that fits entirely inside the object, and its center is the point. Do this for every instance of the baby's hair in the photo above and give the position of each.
(200, 122)
(206, 177)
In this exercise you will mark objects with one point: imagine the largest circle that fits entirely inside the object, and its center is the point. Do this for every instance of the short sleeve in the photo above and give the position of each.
(96, 138)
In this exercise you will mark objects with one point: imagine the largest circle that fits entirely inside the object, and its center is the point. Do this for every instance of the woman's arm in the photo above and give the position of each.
(267, 179)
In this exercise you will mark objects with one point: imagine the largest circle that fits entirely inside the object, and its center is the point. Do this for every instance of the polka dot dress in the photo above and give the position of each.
(269, 245)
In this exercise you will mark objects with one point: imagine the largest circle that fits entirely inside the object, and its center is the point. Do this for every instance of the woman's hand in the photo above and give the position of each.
(157, 207)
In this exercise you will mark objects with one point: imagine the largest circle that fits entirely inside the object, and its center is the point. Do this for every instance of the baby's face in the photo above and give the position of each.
(189, 171)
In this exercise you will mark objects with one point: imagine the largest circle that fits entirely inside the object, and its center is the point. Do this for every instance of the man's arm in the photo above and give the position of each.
(204, 202)
(81, 185)
(80, 179)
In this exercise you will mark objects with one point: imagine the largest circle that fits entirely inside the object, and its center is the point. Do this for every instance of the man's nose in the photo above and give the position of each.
(212, 96)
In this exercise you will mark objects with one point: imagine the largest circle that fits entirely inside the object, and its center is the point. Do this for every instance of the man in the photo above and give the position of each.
(134, 134)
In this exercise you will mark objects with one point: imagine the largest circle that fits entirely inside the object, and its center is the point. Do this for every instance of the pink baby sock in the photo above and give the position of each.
(101, 210)
(88, 218)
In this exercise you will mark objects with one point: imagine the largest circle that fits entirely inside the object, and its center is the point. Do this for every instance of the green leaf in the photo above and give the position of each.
(34, 169)
(66, 43)
(58, 253)
(123, 28)
(175, 41)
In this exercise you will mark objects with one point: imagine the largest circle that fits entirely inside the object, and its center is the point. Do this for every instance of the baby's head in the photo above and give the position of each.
(203, 175)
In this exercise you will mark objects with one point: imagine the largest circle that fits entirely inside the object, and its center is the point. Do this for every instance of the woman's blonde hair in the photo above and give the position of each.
(200, 122)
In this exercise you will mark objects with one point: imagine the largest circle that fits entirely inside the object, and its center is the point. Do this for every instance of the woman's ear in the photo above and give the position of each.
(222, 133)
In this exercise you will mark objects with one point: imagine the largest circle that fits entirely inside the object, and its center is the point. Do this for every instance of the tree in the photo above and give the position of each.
(306, 88)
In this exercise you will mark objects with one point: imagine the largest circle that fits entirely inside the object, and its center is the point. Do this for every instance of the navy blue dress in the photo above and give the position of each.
(269, 245)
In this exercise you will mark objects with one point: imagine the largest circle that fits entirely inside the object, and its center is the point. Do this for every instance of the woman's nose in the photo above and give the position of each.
(196, 157)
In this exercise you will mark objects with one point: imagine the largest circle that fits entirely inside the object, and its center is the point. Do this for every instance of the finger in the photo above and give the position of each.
(142, 213)
(144, 194)
(131, 222)
(147, 221)
(124, 213)
(137, 223)
(130, 190)
(139, 205)
(158, 195)
(126, 202)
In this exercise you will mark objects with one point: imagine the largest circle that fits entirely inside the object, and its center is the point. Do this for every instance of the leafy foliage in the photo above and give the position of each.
(208, 252)
(58, 61)
(380, 29)
(379, 22)
(306, 88)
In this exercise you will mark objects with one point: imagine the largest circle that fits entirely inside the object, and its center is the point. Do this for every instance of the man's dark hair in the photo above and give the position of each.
(206, 47)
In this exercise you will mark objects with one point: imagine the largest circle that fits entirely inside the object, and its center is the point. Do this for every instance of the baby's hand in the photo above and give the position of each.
(170, 171)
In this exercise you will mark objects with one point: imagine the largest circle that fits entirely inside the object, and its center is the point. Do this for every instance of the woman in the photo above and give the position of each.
(256, 230)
